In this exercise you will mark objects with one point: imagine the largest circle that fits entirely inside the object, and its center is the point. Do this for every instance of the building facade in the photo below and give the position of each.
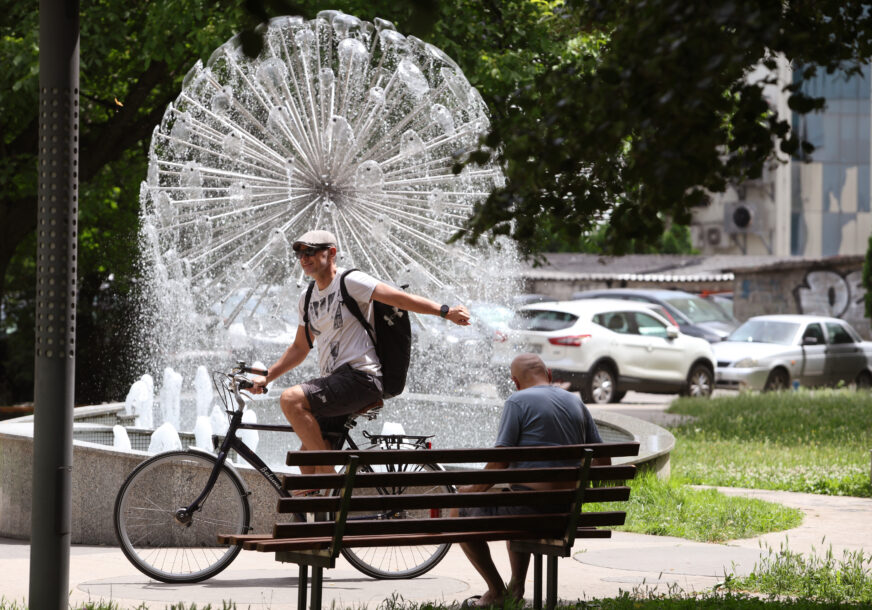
(816, 206)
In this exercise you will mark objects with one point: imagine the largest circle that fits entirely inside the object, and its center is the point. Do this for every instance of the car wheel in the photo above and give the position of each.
(601, 386)
(700, 381)
(778, 380)
(864, 381)
(618, 396)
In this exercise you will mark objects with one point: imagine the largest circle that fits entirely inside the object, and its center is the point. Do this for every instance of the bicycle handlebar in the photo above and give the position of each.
(245, 384)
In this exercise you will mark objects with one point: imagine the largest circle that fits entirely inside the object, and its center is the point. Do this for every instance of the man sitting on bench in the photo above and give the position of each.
(537, 414)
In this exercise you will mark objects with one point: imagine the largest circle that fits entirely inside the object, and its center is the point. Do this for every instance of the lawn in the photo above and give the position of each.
(814, 441)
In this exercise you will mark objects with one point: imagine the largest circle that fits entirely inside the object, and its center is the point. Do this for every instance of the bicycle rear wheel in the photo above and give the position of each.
(396, 562)
(151, 537)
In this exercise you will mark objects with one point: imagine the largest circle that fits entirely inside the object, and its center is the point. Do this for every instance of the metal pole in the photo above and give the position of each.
(54, 370)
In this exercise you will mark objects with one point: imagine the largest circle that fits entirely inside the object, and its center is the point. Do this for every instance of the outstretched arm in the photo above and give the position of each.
(412, 302)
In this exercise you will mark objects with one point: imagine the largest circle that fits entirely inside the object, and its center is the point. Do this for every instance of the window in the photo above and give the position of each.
(542, 319)
(766, 331)
(698, 310)
(649, 326)
(814, 330)
(615, 321)
(838, 334)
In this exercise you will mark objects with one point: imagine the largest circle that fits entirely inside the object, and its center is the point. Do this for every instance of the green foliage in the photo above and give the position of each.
(133, 59)
(669, 508)
(814, 441)
(647, 124)
(830, 580)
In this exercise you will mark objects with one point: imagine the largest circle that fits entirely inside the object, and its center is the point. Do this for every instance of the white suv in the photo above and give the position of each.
(604, 347)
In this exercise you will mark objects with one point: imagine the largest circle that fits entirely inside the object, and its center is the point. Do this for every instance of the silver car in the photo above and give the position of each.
(773, 352)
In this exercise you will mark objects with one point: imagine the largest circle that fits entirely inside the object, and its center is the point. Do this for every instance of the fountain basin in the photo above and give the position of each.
(99, 469)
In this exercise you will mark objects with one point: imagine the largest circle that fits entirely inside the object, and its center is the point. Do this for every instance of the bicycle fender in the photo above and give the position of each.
(227, 463)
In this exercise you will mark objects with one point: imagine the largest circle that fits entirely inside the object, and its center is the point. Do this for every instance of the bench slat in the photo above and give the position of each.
(376, 502)
(459, 456)
(455, 477)
(312, 544)
(543, 525)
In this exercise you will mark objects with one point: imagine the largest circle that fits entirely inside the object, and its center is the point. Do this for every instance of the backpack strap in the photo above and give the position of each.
(352, 306)
(306, 312)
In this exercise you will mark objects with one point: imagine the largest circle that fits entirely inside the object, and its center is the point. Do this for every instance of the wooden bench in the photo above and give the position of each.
(318, 543)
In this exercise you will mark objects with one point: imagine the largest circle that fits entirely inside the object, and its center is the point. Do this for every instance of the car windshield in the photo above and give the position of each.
(766, 331)
(539, 319)
(698, 310)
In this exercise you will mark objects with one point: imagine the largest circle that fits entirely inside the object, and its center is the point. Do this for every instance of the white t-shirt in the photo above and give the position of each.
(336, 333)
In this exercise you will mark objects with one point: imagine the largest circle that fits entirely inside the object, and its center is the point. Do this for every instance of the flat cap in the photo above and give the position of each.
(315, 239)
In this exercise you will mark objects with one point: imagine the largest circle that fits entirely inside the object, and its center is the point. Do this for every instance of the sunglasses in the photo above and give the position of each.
(307, 252)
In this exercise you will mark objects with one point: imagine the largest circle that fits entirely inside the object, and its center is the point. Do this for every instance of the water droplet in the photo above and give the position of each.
(191, 175)
(272, 73)
(369, 175)
(413, 78)
(326, 78)
(232, 143)
(340, 131)
(442, 117)
(411, 143)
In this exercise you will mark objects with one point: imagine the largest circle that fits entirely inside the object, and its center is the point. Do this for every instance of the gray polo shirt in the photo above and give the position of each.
(545, 415)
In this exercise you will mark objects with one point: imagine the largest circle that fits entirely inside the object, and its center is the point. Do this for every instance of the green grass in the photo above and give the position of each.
(814, 441)
(628, 601)
(668, 508)
(826, 578)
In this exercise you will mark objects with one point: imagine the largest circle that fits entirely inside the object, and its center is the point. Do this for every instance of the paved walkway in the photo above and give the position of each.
(600, 568)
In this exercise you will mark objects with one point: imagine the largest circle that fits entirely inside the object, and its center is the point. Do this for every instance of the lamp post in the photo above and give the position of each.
(54, 366)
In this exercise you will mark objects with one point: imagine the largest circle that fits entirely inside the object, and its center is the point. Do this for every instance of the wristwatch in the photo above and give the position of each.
(443, 311)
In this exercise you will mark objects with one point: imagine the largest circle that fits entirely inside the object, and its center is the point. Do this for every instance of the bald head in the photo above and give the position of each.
(529, 370)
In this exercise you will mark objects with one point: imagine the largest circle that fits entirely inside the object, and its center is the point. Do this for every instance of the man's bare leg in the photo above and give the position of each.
(520, 562)
(298, 412)
(479, 556)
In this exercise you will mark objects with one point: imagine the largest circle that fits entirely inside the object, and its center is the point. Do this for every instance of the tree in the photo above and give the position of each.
(659, 116)
(133, 59)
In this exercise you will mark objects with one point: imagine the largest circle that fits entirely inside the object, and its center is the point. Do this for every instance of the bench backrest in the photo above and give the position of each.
(367, 474)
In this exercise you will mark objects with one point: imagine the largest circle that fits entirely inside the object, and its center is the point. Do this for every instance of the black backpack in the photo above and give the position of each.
(392, 336)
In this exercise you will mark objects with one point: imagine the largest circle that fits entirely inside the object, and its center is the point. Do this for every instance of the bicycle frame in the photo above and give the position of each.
(232, 442)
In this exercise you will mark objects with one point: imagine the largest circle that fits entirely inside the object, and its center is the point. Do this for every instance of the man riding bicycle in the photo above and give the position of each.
(350, 369)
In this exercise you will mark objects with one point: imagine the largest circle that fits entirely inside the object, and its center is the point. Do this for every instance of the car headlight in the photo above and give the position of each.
(746, 363)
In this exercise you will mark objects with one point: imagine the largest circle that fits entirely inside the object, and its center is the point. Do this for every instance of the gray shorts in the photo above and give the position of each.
(344, 391)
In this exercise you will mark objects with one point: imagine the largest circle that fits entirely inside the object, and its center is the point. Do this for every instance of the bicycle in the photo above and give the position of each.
(171, 508)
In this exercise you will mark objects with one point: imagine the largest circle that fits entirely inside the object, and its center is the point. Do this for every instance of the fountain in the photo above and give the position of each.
(338, 124)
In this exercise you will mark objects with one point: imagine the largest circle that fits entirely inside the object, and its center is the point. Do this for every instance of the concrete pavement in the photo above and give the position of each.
(599, 568)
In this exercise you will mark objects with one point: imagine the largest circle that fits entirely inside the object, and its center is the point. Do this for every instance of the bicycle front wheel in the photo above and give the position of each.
(396, 562)
(145, 517)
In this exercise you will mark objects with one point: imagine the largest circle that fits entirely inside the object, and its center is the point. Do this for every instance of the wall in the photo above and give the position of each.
(830, 287)
(98, 473)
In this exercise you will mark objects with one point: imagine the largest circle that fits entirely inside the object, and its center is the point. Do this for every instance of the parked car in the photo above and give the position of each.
(605, 347)
(692, 314)
(771, 352)
(724, 300)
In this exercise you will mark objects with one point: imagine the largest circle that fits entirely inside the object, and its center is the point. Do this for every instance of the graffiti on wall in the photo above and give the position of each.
(826, 293)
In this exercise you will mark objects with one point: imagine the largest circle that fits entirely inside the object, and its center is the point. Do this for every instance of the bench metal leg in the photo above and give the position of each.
(302, 585)
(551, 597)
(537, 581)
(317, 577)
